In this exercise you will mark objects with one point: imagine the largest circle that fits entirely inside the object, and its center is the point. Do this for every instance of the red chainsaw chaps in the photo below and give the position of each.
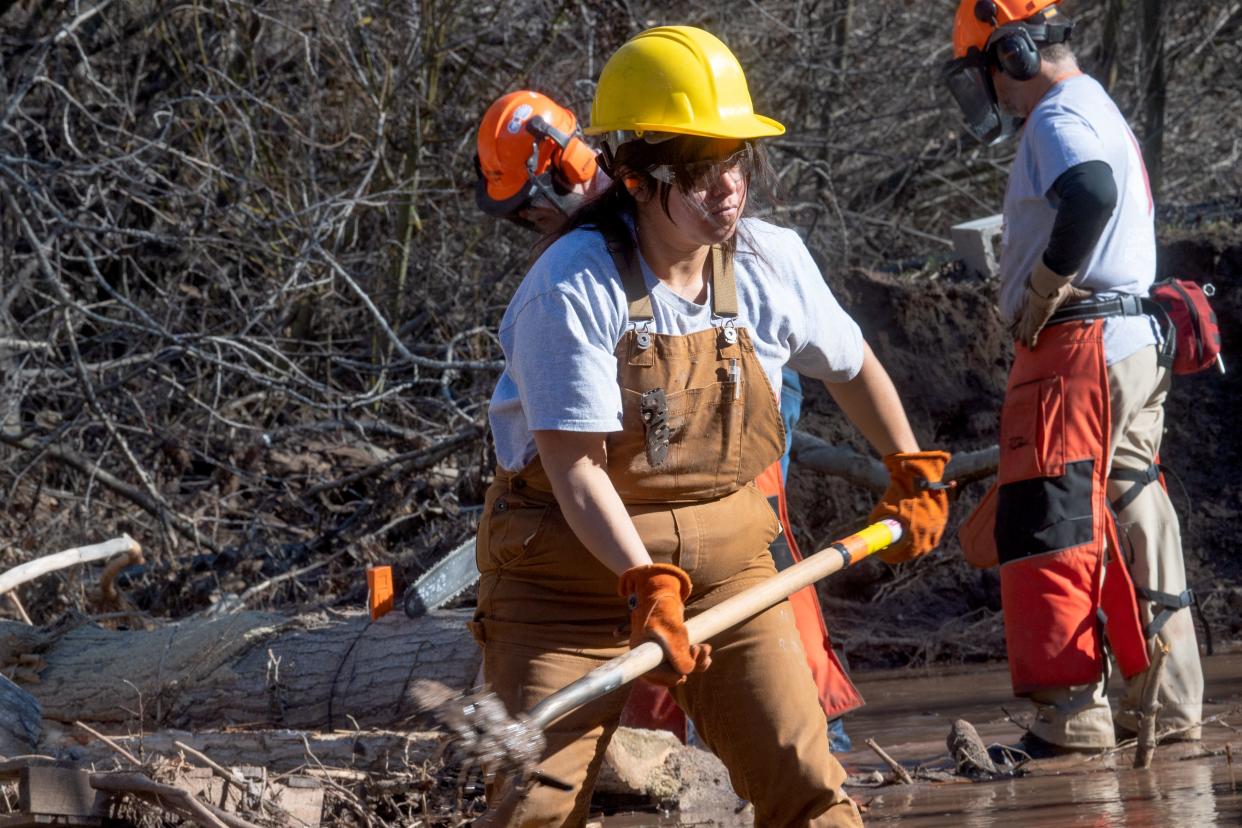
(1053, 525)
(653, 708)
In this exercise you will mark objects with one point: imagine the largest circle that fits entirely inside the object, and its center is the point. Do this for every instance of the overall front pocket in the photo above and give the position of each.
(704, 440)
(510, 526)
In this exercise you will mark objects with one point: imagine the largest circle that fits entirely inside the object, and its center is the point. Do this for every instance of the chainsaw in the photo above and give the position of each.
(454, 574)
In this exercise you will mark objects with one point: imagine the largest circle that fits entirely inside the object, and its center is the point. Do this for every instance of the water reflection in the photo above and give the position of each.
(1190, 793)
(909, 715)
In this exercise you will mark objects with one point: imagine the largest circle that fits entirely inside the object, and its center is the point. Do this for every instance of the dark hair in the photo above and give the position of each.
(635, 159)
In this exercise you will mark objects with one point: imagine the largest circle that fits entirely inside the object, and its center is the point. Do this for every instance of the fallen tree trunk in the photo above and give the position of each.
(20, 719)
(316, 672)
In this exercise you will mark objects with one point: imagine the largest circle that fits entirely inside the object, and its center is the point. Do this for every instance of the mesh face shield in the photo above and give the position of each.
(543, 188)
(971, 86)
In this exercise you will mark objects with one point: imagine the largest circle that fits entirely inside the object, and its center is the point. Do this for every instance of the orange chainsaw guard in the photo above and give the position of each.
(1053, 526)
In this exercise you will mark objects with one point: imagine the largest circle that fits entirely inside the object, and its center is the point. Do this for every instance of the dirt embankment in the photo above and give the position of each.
(941, 338)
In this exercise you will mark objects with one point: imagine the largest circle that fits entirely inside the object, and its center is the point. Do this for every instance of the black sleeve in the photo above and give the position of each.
(1085, 196)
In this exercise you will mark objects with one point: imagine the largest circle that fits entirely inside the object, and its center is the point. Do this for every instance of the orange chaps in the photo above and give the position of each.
(653, 708)
(1063, 585)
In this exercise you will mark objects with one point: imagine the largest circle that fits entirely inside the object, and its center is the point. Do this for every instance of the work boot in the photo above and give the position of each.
(1031, 747)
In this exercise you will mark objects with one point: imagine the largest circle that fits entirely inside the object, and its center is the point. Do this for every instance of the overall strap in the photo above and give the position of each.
(724, 285)
(626, 261)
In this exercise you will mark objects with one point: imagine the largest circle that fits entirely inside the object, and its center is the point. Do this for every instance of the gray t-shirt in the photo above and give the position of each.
(562, 326)
(1076, 122)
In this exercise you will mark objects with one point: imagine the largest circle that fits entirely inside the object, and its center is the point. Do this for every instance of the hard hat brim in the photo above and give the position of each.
(742, 127)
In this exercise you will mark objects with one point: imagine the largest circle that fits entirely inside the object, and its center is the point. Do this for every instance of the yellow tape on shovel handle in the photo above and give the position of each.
(868, 541)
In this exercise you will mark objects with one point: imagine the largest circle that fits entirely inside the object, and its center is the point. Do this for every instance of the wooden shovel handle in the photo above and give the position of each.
(729, 613)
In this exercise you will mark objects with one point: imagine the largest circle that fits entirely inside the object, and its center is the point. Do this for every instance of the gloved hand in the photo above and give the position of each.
(917, 497)
(657, 594)
(1045, 293)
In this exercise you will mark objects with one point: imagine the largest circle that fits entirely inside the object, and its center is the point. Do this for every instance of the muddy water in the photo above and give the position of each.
(909, 713)
(1190, 793)
(910, 717)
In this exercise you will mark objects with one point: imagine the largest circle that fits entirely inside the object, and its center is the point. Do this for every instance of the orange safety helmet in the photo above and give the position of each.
(976, 20)
(529, 145)
(1002, 35)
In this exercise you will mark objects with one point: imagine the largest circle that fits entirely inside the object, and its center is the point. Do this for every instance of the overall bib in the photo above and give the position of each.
(699, 424)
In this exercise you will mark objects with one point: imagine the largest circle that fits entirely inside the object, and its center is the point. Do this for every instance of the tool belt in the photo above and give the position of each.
(1124, 305)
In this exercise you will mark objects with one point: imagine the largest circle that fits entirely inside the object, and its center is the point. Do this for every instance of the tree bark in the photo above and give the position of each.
(316, 672)
(1106, 67)
(20, 719)
(1153, 92)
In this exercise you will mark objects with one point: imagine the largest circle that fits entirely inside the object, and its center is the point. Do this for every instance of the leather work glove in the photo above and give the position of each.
(917, 497)
(1046, 291)
(657, 594)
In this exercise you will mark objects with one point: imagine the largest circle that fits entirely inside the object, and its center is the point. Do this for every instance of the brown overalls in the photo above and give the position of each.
(548, 610)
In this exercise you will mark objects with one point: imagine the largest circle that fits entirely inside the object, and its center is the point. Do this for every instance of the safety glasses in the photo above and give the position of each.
(702, 176)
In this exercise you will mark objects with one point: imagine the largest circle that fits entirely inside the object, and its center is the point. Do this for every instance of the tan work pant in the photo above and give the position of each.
(1080, 716)
(548, 613)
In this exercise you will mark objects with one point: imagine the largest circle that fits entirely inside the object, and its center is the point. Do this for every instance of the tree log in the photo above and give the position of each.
(20, 719)
(869, 473)
(316, 672)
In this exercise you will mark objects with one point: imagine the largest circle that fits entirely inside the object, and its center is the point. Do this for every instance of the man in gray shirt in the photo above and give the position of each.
(1084, 410)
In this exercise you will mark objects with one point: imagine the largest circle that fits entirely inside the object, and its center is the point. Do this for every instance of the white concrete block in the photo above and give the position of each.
(977, 243)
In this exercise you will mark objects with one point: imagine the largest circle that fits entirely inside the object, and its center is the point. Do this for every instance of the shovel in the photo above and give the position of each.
(513, 745)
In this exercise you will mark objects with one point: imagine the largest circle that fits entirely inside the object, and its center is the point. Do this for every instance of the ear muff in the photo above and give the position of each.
(577, 159)
(1014, 51)
(578, 162)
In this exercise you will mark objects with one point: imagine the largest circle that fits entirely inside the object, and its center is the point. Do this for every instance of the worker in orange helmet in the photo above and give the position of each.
(1086, 538)
(534, 168)
(537, 183)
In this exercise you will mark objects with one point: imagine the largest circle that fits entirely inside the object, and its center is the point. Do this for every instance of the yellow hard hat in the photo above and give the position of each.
(676, 79)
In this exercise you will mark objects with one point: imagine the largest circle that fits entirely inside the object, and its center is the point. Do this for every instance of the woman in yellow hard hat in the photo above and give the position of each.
(644, 350)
